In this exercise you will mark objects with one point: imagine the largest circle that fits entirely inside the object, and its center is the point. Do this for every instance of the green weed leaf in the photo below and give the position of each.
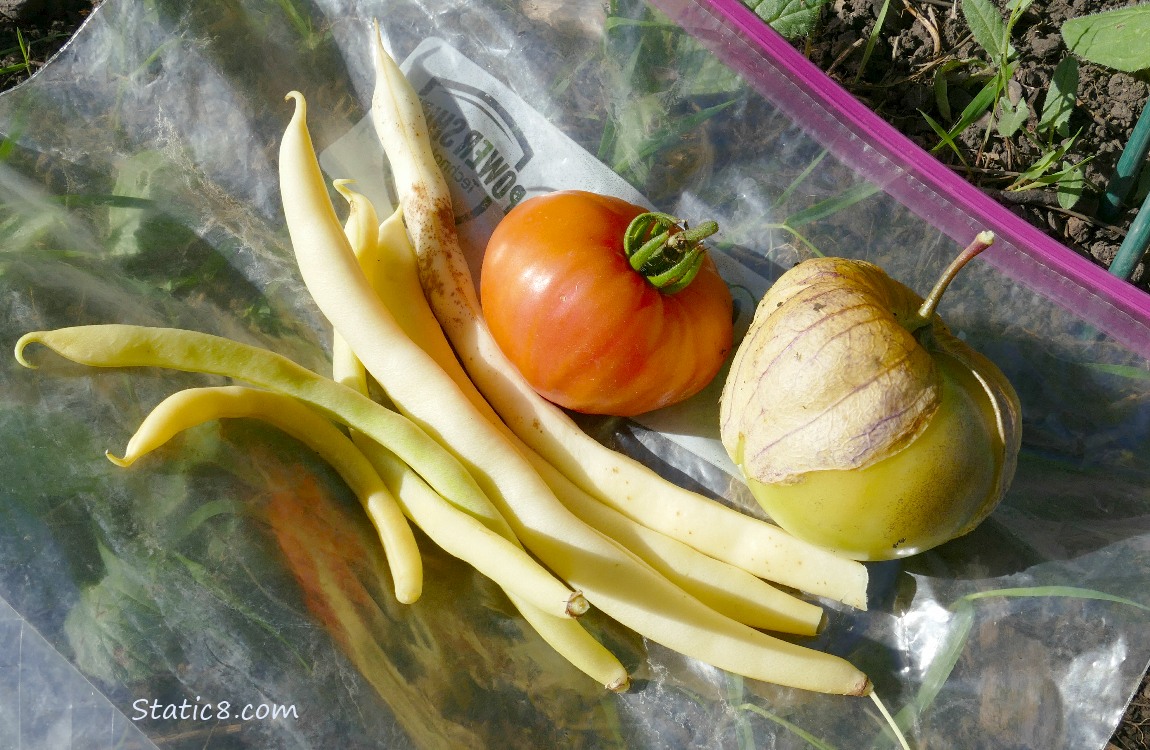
(1118, 39)
(116, 628)
(709, 77)
(791, 18)
(979, 106)
(1038, 174)
(1059, 102)
(1011, 117)
(1071, 185)
(987, 27)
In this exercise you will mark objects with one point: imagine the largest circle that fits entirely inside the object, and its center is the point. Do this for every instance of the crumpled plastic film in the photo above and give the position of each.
(227, 592)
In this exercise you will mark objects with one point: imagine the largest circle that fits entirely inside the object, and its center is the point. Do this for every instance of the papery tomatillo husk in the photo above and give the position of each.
(860, 422)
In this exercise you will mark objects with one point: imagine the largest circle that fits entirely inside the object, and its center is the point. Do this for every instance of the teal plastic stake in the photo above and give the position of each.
(1131, 160)
(1134, 246)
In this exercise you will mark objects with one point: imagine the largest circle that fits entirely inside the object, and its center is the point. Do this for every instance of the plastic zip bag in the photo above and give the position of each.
(139, 186)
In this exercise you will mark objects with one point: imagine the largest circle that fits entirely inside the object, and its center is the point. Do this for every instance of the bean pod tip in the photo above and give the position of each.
(298, 98)
(123, 463)
(22, 344)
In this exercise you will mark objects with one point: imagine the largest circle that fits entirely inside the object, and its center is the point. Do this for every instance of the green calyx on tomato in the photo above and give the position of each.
(563, 300)
(666, 253)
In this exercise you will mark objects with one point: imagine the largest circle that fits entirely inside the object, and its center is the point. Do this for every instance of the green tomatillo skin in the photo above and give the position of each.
(896, 507)
(860, 422)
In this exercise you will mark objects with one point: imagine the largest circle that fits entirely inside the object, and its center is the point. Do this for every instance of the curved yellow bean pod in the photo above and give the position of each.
(361, 228)
(117, 345)
(386, 496)
(194, 406)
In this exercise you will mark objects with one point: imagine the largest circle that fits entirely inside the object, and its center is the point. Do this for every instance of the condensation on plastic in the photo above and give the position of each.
(139, 186)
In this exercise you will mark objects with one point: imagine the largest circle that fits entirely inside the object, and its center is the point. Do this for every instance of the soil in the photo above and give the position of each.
(922, 41)
(32, 31)
(918, 39)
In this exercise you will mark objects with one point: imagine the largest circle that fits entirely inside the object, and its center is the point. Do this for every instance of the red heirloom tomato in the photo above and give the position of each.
(562, 296)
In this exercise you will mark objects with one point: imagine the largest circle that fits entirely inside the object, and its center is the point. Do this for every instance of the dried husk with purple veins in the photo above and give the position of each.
(822, 337)
(844, 369)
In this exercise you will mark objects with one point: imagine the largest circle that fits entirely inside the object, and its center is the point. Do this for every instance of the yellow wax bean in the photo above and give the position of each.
(456, 532)
(361, 228)
(116, 345)
(194, 406)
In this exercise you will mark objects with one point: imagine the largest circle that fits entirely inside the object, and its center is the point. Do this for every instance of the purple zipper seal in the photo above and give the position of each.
(908, 173)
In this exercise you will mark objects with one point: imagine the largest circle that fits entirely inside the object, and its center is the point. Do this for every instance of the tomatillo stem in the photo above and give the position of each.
(984, 240)
(666, 251)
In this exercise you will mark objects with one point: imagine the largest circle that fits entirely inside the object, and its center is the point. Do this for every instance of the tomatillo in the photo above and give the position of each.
(861, 423)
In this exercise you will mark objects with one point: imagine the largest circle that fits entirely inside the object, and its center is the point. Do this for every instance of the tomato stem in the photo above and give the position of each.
(666, 251)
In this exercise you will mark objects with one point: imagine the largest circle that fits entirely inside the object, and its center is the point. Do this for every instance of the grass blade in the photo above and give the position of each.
(873, 38)
(943, 664)
(979, 105)
(833, 205)
(1067, 592)
(1034, 175)
(790, 189)
(941, 667)
(1124, 371)
(809, 738)
(944, 138)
